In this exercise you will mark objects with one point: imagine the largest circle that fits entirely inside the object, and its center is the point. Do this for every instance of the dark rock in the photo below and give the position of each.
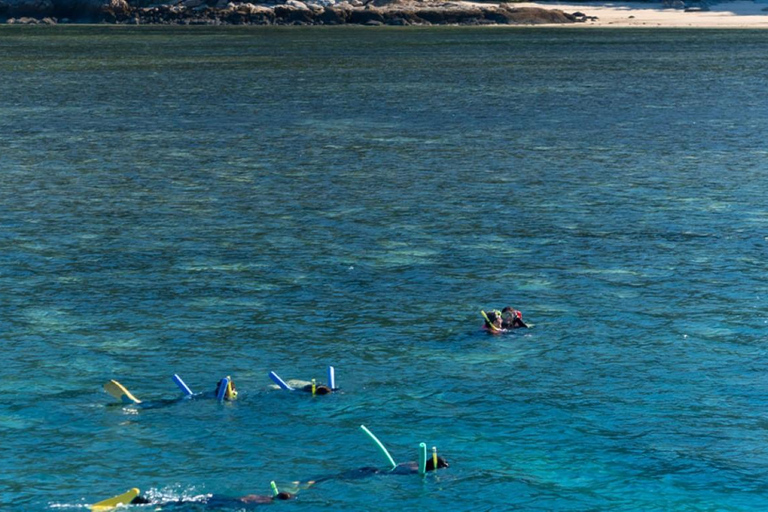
(537, 15)
(333, 16)
(291, 12)
(361, 17)
(287, 15)
(397, 22)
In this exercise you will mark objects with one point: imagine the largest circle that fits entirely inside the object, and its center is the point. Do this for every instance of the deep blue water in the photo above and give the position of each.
(231, 201)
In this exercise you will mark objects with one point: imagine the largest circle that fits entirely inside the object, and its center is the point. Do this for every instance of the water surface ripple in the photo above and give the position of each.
(231, 201)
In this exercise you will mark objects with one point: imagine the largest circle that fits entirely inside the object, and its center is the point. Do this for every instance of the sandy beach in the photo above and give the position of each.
(738, 14)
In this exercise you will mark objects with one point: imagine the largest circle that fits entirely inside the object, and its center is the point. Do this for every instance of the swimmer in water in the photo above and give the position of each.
(493, 321)
(122, 394)
(405, 468)
(497, 322)
(305, 385)
(308, 386)
(217, 502)
(320, 389)
(230, 393)
(512, 318)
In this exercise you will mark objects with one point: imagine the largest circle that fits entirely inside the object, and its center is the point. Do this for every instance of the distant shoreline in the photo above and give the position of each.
(737, 14)
(743, 14)
(293, 12)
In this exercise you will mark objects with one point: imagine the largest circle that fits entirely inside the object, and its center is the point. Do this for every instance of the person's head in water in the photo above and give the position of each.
(230, 393)
(510, 312)
(494, 319)
(409, 468)
(512, 318)
(441, 463)
(320, 389)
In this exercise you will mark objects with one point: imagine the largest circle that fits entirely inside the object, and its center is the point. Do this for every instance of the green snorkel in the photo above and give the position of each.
(275, 491)
(422, 459)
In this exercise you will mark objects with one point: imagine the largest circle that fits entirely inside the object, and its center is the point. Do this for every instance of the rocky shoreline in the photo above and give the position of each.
(285, 12)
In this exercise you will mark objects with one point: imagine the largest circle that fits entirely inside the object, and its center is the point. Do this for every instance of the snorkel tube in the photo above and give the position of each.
(332, 378)
(488, 322)
(422, 459)
(380, 446)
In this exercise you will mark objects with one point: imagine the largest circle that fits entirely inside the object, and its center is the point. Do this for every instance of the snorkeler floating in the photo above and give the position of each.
(425, 464)
(497, 322)
(225, 390)
(310, 387)
(409, 467)
(214, 501)
(404, 468)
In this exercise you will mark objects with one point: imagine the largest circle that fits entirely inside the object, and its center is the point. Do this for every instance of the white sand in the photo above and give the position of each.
(737, 14)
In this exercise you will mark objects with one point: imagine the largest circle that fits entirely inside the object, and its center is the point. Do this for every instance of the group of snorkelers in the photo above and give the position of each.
(225, 390)
(249, 501)
(496, 321)
(215, 501)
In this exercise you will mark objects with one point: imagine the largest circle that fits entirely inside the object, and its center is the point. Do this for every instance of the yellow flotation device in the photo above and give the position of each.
(111, 503)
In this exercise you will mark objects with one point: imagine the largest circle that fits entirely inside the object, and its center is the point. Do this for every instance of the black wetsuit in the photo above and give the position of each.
(213, 502)
(405, 468)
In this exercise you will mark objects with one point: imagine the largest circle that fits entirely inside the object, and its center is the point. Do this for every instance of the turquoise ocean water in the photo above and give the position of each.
(231, 201)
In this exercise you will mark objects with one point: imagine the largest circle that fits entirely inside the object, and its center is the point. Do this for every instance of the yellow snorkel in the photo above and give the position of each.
(434, 458)
(488, 321)
(231, 392)
(314, 387)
